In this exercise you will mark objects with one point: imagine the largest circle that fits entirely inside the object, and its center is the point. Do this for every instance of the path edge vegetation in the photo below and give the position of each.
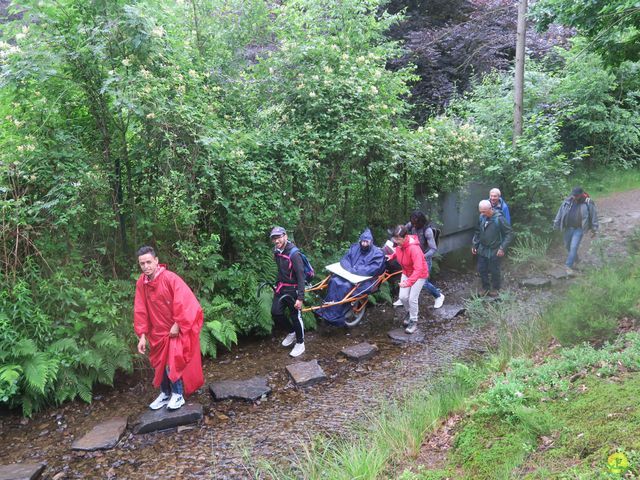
(151, 122)
(512, 401)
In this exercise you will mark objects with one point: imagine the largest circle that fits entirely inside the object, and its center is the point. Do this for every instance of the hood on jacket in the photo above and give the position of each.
(410, 240)
(366, 235)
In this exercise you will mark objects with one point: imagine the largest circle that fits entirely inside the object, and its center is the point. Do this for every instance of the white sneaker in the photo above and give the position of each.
(176, 401)
(413, 326)
(297, 350)
(439, 301)
(289, 339)
(397, 303)
(159, 402)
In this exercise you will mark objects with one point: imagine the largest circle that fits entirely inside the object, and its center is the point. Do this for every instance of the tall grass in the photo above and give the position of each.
(594, 303)
(391, 436)
(605, 181)
(531, 252)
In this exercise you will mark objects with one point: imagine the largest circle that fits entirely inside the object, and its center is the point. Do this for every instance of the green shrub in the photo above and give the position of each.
(593, 305)
(63, 336)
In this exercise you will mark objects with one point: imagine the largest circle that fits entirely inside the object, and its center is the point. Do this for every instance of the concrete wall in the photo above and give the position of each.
(457, 213)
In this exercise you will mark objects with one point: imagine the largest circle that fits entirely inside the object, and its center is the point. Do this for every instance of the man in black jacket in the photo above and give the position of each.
(493, 236)
(289, 292)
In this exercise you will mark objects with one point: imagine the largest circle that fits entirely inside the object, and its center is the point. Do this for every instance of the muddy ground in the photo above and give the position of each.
(234, 433)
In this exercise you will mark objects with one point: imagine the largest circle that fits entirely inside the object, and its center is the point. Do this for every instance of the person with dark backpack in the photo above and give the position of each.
(289, 290)
(492, 237)
(576, 215)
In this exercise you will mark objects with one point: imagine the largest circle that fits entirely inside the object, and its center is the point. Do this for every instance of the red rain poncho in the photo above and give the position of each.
(158, 304)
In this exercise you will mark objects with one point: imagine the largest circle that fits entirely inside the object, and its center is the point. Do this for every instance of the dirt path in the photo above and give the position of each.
(234, 432)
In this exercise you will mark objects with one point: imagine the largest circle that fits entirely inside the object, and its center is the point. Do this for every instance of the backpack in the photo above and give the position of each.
(495, 221)
(309, 273)
(589, 203)
(436, 233)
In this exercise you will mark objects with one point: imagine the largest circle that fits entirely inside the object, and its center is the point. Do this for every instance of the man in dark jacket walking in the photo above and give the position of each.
(492, 237)
(576, 215)
(289, 292)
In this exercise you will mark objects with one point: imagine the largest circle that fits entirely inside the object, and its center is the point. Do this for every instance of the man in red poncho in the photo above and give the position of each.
(167, 314)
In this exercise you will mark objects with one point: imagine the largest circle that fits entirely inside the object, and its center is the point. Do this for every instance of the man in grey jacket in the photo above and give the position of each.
(577, 214)
(493, 236)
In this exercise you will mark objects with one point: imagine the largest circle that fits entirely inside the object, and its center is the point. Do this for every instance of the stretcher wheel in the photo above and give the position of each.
(356, 313)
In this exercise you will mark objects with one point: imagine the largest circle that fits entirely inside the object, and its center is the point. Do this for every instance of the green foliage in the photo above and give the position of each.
(599, 182)
(594, 303)
(611, 26)
(194, 127)
(531, 252)
(395, 431)
(63, 335)
(599, 107)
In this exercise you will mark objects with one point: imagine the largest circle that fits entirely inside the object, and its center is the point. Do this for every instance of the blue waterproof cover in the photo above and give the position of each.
(368, 262)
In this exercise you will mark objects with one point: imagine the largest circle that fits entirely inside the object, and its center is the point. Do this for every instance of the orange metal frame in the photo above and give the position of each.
(349, 298)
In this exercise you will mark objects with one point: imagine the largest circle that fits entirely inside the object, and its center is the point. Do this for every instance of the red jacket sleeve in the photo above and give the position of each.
(140, 313)
(420, 268)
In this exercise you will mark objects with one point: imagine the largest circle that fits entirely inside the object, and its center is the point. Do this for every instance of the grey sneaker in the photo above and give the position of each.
(289, 339)
(406, 321)
(439, 301)
(411, 328)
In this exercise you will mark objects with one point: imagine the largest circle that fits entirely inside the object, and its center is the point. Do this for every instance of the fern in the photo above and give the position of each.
(207, 344)
(36, 371)
(25, 348)
(84, 389)
(106, 339)
(68, 345)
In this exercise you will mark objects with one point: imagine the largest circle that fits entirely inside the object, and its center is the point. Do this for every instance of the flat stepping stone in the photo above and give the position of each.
(164, 419)
(251, 389)
(306, 373)
(536, 282)
(21, 471)
(448, 312)
(103, 436)
(398, 335)
(606, 220)
(559, 273)
(359, 352)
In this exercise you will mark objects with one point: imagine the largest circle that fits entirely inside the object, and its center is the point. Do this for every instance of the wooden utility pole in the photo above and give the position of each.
(518, 83)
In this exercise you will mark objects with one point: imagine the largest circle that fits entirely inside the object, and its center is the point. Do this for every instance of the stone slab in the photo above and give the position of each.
(21, 471)
(535, 282)
(164, 419)
(448, 312)
(103, 436)
(359, 352)
(559, 273)
(398, 335)
(250, 390)
(306, 373)
(605, 220)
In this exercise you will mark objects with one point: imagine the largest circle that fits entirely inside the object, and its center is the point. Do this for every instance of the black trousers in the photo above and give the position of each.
(283, 303)
(489, 266)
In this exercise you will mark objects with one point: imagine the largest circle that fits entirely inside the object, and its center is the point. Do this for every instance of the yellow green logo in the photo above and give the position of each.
(618, 463)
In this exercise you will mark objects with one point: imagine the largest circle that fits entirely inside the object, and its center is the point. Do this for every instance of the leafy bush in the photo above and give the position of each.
(60, 337)
(593, 305)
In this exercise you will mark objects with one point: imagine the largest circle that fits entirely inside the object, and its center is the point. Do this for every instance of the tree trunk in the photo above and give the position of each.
(519, 73)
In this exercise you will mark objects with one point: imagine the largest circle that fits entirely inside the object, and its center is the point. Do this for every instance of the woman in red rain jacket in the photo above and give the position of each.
(169, 317)
(414, 273)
